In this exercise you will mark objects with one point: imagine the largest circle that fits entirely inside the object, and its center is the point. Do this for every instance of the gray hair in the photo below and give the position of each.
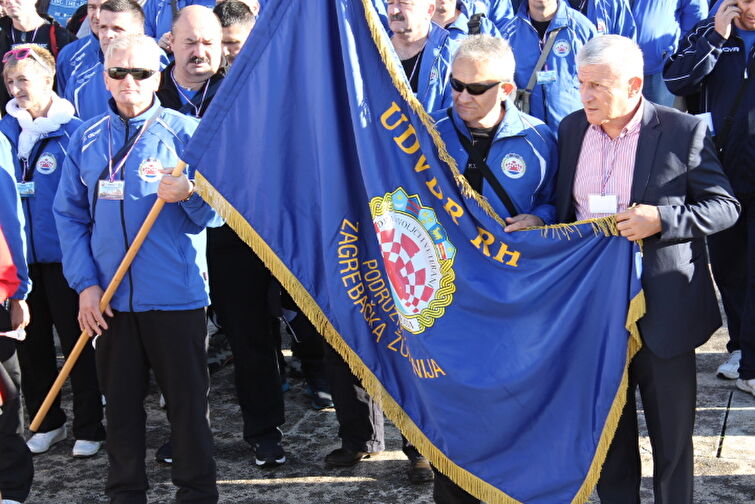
(622, 54)
(138, 43)
(487, 48)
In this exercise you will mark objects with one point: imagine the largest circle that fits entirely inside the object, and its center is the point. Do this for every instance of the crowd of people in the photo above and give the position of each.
(555, 110)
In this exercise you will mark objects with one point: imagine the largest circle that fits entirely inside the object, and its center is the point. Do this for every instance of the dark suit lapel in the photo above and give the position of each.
(650, 134)
(570, 150)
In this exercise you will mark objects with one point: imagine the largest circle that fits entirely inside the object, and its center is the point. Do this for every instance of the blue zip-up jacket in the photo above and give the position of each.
(79, 54)
(556, 95)
(433, 89)
(48, 155)
(86, 88)
(499, 12)
(459, 29)
(523, 156)
(715, 67)
(169, 273)
(12, 219)
(610, 17)
(660, 25)
(158, 15)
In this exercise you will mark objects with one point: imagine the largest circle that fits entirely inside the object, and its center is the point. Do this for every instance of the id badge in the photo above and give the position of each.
(25, 189)
(546, 76)
(707, 118)
(603, 204)
(110, 190)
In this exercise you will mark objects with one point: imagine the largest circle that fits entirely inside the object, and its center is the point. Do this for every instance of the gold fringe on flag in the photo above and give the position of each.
(471, 483)
(300, 295)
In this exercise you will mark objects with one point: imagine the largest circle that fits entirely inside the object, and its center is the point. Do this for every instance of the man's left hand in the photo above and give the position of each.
(522, 221)
(639, 222)
(19, 314)
(173, 189)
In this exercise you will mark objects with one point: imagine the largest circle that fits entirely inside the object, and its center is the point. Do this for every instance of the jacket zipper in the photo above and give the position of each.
(123, 227)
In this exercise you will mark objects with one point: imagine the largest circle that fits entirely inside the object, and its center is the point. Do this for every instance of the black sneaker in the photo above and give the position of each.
(164, 454)
(319, 391)
(268, 453)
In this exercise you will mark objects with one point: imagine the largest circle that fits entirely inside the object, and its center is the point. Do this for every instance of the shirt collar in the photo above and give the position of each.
(631, 127)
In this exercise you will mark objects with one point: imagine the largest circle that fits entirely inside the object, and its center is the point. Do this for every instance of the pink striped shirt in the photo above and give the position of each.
(606, 166)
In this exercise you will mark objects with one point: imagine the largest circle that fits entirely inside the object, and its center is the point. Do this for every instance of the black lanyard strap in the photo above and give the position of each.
(475, 161)
(32, 162)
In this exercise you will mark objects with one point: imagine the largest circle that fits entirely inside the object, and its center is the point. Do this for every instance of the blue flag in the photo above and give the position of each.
(501, 356)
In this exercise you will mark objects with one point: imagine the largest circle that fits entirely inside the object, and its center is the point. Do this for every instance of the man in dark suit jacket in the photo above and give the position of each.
(656, 168)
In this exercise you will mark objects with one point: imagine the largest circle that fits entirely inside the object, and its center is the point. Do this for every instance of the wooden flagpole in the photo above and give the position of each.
(106, 297)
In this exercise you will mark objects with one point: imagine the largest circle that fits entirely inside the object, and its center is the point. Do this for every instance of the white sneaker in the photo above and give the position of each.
(83, 448)
(8, 501)
(730, 368)
(42, 441)
(746, 385)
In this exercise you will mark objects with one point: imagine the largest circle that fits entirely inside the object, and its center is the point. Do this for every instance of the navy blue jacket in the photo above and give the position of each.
(170, 271)
(715, 67)
(47, 156)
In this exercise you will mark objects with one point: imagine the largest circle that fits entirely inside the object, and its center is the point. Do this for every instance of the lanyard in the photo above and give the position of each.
(28, 174)
(197, 109)
(23, 38)
(112, 173)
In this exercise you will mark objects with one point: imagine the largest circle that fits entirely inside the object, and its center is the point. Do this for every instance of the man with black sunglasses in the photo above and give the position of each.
(507, 156)
(118, 164)
(86, 88)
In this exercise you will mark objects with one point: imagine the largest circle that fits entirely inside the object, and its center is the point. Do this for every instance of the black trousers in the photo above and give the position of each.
(239, 284)
(446, 491)
(173, 345)
(732, 255)
(668, 388)
(53, 303)
(360, 419)
(16, 468)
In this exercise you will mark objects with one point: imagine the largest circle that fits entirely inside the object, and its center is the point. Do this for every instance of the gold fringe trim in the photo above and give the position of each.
(471, 483)
(634, 314)
(385, 48)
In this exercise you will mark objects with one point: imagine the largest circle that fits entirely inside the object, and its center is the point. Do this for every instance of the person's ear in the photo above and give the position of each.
(635, 86)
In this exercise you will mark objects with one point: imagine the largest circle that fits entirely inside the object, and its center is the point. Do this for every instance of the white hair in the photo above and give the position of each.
(621, 54)
(138, 43)
(487, 48)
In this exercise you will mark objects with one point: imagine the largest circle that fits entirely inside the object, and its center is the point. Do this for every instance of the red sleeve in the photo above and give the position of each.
(9, 281)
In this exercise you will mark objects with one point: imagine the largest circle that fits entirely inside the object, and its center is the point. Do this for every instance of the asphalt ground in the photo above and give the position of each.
(724, 446)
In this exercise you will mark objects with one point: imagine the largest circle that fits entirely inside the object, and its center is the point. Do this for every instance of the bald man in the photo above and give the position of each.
(191, 81)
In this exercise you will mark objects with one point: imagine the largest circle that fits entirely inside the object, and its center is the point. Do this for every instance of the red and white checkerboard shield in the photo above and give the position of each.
(406, 268)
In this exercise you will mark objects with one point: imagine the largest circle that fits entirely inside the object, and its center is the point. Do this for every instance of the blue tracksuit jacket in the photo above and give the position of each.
(169, 273)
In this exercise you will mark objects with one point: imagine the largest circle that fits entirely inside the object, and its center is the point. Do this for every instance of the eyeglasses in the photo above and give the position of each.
(474, 89)
(120, 73)
(22, 53)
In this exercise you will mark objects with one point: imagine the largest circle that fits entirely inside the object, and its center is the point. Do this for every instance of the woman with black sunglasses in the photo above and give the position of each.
(38, 125)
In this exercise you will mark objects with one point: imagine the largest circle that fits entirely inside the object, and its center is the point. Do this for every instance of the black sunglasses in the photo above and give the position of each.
(120, 73)
(474, 89)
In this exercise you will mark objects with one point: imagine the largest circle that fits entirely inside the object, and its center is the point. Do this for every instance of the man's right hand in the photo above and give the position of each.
(90, 317)
(726, 15)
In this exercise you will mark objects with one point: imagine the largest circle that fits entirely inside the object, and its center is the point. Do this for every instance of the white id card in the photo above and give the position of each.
(707, 118)
(110, 190)
(546, 76)
(25, 189)
(603, 204)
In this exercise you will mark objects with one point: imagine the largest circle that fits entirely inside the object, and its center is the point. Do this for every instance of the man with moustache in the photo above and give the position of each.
(423, 48)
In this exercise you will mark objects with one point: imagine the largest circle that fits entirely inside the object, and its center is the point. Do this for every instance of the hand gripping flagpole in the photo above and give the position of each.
(106, 297)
